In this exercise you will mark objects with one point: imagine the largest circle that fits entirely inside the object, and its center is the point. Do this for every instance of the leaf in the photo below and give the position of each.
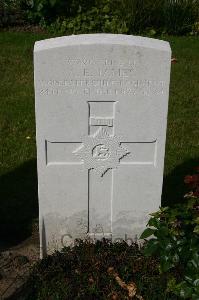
(52, 2)
(168, 247)
(153, 222)
(147, 232)
(196, 229)
(175, 258)
(194, 296)
(162, 232)
(40, 7)
(193, 264)
(185, 290)
(166, 265)
(196, 282)
(189, 279)
(151, 247)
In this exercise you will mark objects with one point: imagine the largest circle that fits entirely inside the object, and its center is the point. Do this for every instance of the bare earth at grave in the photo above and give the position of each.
(16, 263)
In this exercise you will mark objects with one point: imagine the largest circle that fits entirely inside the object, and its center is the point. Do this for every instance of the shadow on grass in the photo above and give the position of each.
(18, 202)
(174, 187)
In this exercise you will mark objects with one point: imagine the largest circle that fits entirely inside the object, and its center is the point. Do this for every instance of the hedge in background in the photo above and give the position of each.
(117, 16)
(11, 13)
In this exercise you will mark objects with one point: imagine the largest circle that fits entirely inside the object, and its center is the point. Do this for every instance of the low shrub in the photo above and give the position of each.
(175, 240)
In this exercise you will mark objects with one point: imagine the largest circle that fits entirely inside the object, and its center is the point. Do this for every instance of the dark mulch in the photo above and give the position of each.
(103, 270)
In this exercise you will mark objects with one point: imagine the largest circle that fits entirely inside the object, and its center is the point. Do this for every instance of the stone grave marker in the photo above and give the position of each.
(101, 114)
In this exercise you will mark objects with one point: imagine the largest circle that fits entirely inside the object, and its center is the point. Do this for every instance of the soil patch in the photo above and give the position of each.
(15, 265)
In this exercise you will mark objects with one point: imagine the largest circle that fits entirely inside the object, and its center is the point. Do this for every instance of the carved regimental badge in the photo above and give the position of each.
(101, 151)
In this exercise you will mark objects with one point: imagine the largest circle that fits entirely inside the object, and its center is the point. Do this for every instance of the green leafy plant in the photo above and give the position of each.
(99, 18)
(174, 233)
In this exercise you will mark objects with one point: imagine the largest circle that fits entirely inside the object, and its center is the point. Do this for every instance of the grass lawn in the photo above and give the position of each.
(18, 183)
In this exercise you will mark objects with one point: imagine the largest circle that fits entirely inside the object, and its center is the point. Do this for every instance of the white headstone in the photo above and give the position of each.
(101, 114)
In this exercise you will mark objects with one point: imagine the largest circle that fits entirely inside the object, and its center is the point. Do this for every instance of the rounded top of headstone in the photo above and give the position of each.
(102, 38)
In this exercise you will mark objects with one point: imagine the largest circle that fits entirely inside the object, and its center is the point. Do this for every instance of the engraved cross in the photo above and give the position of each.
(101, 152)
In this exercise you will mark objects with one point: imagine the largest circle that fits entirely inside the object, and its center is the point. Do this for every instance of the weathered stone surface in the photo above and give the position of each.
(101, 113)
